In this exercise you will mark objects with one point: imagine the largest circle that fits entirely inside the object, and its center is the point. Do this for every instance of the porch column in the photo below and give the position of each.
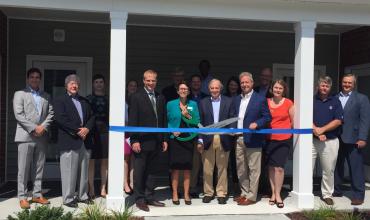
(115, 198)
(303, 95)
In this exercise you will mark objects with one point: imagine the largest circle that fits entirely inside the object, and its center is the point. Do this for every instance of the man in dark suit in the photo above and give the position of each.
(215, 149)
(75, 120)
(147, 110)
(253, 113)
(356, 119)
(265, 79)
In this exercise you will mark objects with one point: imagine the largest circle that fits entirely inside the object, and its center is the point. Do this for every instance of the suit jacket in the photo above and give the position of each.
(257, 111)
(227, 110)
(356, 118)
(69, 122)
(174, 112)
(141, 113)
(27, 117)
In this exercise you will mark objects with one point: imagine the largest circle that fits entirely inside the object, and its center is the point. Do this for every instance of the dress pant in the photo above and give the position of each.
(327, 151)
(248, 162)
(215, 155)
(197, 163)
(74, 165)
(354, 157)
(31, 155)
(144, 171)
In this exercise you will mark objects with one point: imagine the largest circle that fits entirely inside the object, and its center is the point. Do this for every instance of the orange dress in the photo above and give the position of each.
(280, 119)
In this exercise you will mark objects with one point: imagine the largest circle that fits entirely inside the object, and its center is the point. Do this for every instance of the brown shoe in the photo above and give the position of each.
(329, 201)
(356, 201)
(238, 198)
(41, 200)
(246, 202)
(24, 204)
(142, 206)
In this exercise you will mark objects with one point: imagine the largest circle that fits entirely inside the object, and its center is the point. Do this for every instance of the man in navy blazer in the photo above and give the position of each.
(356, 119)
(253, 113)
(215, 149)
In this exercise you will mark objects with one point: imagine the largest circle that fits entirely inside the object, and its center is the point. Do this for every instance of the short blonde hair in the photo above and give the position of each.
(248, 74)
(148, 72)
(325, 79)
(216, 80)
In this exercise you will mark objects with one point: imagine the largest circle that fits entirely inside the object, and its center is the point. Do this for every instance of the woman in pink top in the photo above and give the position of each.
(277, 149)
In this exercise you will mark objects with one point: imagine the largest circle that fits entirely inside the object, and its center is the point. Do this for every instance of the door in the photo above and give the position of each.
(363, 79)
(55, 70)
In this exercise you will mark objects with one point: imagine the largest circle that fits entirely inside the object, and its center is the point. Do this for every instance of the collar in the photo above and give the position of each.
(149, 92)
(216, 99)
(345, 95)
(73, 96)
(34, 91)
(248, 95)
(317, 96)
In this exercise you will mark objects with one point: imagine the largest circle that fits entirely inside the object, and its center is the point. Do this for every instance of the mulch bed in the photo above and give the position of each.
(365, 215)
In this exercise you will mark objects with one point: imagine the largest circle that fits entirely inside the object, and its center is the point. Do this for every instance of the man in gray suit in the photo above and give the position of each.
(356, 119)
(34, 114)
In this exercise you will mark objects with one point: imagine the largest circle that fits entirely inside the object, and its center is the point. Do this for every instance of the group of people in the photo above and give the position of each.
(82, 137)
(340, 129)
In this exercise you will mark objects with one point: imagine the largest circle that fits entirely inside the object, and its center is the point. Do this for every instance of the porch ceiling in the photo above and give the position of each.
(167, 21)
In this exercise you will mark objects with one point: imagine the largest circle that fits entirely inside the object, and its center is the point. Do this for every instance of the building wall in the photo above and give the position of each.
(3, 89)
(160, 48)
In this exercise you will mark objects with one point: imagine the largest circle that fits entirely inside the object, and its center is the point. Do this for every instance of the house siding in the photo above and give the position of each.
(3, 89)
(159, 48)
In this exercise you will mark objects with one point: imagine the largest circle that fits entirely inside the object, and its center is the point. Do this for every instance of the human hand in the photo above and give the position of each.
(176, 134)
(200, 148)
(83, 133)
(253, 126)
(322, 137)
(164, 146)
(361, 144)
(318, 131)
(39, 131)
(136, 147)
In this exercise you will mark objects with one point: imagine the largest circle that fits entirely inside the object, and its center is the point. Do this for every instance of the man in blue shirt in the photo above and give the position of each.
(327, 117)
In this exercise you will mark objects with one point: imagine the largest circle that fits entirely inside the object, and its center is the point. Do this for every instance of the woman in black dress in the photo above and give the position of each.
(181, 113)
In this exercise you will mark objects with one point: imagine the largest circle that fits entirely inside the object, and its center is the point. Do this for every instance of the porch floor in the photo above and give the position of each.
(198, 210)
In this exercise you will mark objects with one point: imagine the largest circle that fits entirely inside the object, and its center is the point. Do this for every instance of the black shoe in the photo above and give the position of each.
(207, 199)
(156, 203)
(72, 204)
(329, 201)
(87, 201)
(176, 202)
(142, 206)
(221, 200)
(337, 194)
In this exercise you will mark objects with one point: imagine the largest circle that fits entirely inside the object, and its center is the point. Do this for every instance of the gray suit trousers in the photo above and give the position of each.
(31, 158)
(74, 166)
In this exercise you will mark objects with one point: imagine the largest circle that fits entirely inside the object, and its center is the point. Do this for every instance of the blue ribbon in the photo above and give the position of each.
(209, 130)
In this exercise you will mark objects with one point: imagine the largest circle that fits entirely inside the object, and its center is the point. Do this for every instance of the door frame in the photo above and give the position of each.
(53, 167)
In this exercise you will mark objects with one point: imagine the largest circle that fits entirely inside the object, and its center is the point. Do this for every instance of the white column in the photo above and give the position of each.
(115, 198)
(303, 100)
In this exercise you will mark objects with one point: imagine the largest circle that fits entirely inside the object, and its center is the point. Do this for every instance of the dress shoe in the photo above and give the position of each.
(72, 204)
(246, 202)
(41, 200)
(188, 202)
(221, 200)
(87, 201)
(142, 206)
(329, 201)
(207, 199)
(176, 202)
(156, 203)
(356, 201)
(337, 194)
(238, 198)
(24, 204)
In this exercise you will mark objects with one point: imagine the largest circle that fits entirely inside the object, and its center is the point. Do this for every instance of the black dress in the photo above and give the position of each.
(181, 152)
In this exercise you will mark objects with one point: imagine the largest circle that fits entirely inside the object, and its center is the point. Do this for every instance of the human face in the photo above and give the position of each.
(34, 80)
(195, 83)
(98, 85)
(183, 91)
(215, 89)
(278, 90)
(131, 87)
(72, 87)
(348, 84)
(324, 89)
(150, 81)
(233, 87)
(246, 84)
(265, 77)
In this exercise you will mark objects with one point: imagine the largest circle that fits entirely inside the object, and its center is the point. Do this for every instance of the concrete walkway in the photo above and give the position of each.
(199, 210)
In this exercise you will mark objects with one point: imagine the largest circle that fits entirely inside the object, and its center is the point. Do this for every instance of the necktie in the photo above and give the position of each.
(152, 100)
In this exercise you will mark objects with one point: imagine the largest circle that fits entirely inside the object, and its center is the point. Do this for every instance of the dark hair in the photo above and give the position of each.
(206, 62)
(183, 82)
(281, 82)
(235, 79)
(195, 75)
(98, 76)
(34, 70)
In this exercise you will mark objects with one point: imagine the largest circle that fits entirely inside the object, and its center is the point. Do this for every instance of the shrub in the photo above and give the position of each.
(43, 213)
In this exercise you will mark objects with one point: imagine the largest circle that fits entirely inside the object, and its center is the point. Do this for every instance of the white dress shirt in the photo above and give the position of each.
(243, 107)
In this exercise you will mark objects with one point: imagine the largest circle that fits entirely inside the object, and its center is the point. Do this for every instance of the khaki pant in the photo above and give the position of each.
(215, 155)
(328, 153)
(248, 163)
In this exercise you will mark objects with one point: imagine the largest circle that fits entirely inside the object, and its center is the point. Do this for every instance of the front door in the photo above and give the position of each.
(55, 70)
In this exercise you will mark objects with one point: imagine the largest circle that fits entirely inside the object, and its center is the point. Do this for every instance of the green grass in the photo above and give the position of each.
(323, 213)
(42, 213)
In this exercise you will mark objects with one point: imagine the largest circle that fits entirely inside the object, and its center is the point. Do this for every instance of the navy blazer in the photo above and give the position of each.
(206, 117)
(69, 122)
(257, 111)
(356, 118)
